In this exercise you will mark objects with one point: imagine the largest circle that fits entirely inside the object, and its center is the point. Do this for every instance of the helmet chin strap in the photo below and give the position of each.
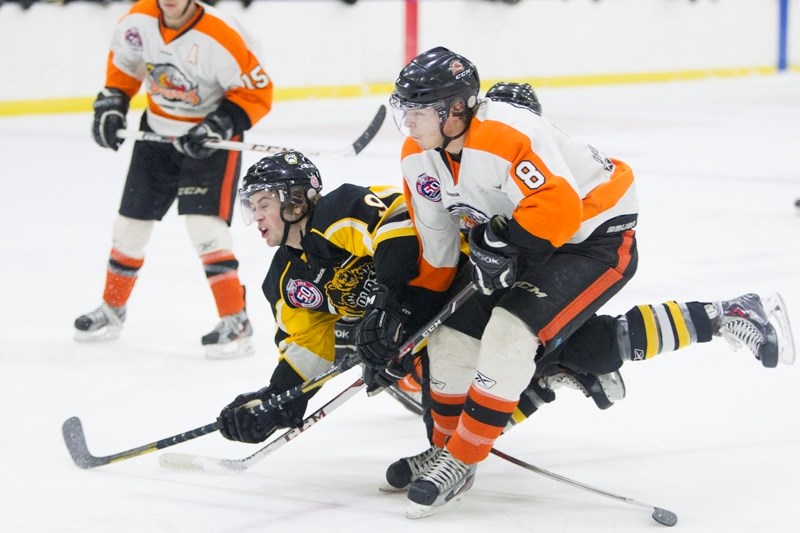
(448, 140)
(287, 226)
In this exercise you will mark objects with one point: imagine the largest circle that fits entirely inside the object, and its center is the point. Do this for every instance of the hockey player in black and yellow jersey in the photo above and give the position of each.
(334, 252)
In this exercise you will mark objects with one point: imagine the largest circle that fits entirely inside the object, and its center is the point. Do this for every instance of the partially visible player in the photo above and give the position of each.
(520, 94)
(204, 79)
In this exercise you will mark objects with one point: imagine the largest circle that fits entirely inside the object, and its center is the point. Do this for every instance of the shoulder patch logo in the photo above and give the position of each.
(303, 294)
(134, 39)
(428, 187)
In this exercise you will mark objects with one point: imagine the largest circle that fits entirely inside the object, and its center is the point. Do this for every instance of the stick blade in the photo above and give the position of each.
(664, 517)
(371, 131)
(72, 429)
(183, 461)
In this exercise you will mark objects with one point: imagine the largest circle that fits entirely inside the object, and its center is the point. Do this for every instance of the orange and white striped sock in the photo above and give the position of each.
(121, 275)
(221, 269)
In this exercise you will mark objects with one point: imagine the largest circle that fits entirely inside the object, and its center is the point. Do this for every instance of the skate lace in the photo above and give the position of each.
(229, 327)
(563, 379)
(420, 462)
(738, 331)
(98, 317)
(446, 471)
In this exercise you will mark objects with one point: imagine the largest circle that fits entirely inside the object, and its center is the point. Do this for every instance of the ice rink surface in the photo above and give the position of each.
(705, 432)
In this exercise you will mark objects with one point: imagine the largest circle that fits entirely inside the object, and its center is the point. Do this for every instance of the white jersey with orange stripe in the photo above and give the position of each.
(189, 71)
(513, 163)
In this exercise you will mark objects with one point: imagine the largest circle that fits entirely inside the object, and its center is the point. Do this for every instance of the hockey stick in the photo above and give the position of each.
(182, 461)
(74, 437)
(662, 516)
(355, 148)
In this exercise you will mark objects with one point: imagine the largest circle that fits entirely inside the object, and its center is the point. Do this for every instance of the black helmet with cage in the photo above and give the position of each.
(437, 78)
(521, 94)
(290, 176)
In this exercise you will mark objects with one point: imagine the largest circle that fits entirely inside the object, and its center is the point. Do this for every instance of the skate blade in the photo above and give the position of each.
(775, 308)
(613, 386)
(389, 489)
(415, 511)
(231, 350)
(107, 333)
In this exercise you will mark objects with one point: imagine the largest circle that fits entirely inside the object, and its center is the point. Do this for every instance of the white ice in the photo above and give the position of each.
(705, 432)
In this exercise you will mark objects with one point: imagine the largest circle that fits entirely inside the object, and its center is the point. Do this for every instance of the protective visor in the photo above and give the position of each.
(249, 208)
(413, 119)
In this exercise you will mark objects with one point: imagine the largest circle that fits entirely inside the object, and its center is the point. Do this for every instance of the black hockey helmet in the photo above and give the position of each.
(521, 94)
(437, 78)
(293, 178)
(435, 75)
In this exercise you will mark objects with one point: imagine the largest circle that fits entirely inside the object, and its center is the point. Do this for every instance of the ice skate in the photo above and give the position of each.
(230, 339)
(441, 487)
(604, 389)
(745, 320)
(403, 472)
(102, 324)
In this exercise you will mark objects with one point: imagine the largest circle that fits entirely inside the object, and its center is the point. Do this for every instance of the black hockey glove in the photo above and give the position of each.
(380, 332)
(217, 126)
(239, 424)
(344, 332)
(377, 377)
(494, 264)
(110, 108)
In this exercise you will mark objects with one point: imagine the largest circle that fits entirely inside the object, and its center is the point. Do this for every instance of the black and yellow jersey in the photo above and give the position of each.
(355, 237)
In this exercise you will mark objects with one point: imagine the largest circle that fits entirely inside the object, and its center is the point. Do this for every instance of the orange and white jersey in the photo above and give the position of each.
(189, 71)
(513, 163)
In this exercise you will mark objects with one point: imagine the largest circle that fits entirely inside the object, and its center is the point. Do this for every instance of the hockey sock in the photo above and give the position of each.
(655, 329)
(445, 410)
(482, 420)
(121, 275)
(223, 277)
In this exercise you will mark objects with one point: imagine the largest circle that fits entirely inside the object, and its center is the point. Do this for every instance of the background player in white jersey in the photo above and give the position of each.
(204, 80)
(551, 241)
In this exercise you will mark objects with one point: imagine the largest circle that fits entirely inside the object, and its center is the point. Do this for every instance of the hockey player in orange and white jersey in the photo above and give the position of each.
(204, 80)
(551, 239)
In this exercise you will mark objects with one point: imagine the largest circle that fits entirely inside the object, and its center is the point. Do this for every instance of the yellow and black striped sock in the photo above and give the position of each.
(666, 327)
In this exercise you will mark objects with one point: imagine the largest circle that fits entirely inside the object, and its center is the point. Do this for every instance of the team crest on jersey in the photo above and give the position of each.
(468, 215)
(350, 286)
(167, 81)
(134, 39)
(303, 294)
(428, 187)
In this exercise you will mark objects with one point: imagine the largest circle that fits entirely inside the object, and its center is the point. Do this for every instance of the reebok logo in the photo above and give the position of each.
(484, 381)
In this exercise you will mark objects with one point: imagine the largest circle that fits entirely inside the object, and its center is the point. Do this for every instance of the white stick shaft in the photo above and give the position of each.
(224, 145)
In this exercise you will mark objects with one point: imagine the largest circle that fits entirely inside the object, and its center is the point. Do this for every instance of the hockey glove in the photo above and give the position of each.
(378, 377)
(380, 332)
(493, 261)
(239, 424)
(217, 126)
(110, 108)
